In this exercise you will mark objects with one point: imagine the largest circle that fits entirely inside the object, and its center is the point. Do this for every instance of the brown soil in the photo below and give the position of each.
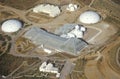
(7, 15)
(78, 72)
(110, 8)
(27, 4)
(86, 2)
(112, 58)
(116, 1)
(23, 45)
(8, 63)
(19, 4)
(39, 17)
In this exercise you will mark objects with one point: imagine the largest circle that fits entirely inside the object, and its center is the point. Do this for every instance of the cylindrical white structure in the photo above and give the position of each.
(11, 25)
(89, 17)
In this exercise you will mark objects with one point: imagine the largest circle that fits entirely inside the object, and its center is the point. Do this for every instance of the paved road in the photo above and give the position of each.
(66, 70)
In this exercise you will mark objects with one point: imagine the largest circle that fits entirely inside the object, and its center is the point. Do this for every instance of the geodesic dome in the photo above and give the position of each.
(89, 17)
(11, 25)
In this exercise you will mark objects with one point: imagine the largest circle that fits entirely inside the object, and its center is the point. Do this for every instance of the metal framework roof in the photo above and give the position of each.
(52, 41)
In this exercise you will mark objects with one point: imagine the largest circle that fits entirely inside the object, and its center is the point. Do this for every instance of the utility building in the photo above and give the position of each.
(49, 40)
(71, 30)
(48, 67)
(52, 10)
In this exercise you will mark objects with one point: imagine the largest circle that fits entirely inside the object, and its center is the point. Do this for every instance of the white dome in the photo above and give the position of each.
(89, 17)
(11, 25)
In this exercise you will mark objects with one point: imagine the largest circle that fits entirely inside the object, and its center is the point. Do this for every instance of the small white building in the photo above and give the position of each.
(49, 68)
(89, 17)
(72, 7)
(47, 50)
(52, 10)
(77, 31)
(11, 25)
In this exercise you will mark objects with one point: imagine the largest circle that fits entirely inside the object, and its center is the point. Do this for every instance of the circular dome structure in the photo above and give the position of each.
(89, 17)
(11, 25)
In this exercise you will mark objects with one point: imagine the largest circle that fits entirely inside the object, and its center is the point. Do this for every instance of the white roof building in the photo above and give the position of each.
(47, 50)
(11, 25)
(71, 30)
(77, 32)
(72, 7)
(89, 17)
(49, 68)
(52, 10)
